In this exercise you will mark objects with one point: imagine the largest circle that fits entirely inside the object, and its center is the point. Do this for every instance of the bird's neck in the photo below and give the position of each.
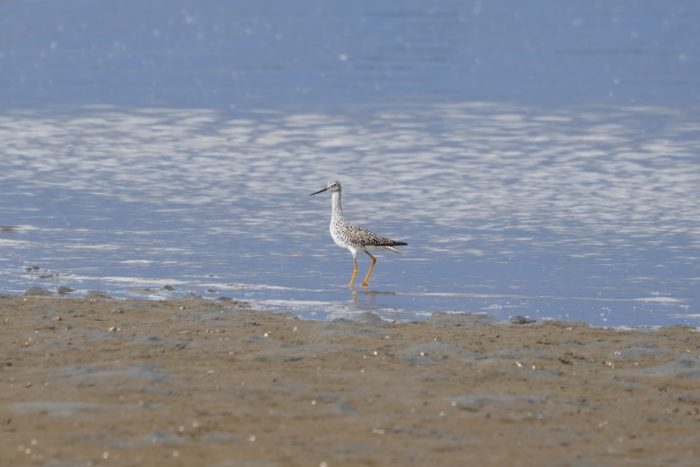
(336, 207)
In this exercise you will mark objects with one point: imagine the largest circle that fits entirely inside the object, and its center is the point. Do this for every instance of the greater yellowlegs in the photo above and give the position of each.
(353, 237)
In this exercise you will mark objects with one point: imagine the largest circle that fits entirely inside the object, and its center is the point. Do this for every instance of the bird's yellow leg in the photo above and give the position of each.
(354, 272)
(369, 273)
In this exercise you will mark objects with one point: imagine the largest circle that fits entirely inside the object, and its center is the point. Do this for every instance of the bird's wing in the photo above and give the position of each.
(367, 237)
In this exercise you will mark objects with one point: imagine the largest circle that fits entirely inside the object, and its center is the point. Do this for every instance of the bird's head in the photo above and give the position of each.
(333, 186)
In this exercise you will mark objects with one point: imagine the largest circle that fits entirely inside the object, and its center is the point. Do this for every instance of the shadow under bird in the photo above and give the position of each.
(354, 237)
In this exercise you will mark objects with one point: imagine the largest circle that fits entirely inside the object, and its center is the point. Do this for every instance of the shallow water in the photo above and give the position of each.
(184, 152)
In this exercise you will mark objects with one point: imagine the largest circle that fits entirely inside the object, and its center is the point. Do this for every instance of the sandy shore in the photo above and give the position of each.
(194, 382)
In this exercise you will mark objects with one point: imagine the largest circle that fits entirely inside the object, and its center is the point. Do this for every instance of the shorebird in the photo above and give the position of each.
(352, 236)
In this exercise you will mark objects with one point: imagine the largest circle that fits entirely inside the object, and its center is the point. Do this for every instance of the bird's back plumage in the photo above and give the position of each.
(361, 237)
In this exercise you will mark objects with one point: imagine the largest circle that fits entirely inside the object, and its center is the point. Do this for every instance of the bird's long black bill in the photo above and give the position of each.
(319, 191)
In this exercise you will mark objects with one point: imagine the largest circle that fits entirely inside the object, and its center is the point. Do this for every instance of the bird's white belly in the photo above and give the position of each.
(340, 242)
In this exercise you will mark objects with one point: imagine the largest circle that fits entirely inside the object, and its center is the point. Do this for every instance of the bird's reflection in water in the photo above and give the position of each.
(366, 297)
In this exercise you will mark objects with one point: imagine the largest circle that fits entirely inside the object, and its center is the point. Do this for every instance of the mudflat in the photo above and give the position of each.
(195, 382)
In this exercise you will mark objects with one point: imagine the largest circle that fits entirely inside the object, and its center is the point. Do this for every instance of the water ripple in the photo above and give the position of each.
(578, 199)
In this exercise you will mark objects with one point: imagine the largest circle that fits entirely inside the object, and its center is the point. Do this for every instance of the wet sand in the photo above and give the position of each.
(193, 382)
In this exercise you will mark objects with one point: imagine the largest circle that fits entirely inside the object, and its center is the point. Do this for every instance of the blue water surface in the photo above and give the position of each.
(540, 158)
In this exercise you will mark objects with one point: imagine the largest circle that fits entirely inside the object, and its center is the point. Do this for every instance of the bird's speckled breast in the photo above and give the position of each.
(336, 228)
